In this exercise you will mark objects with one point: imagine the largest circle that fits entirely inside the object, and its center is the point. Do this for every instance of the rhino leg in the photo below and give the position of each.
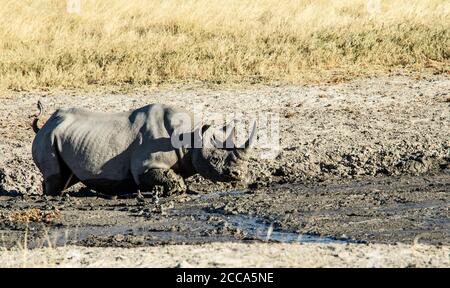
(55, 183)
(171, 182)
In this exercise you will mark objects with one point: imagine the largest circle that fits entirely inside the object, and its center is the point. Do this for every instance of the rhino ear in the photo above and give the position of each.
(198, 135)
(205, 127)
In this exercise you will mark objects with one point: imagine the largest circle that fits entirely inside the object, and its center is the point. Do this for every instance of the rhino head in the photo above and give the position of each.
(221, 160)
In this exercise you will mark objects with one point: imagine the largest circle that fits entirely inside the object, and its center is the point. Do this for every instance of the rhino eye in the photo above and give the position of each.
(215, 160)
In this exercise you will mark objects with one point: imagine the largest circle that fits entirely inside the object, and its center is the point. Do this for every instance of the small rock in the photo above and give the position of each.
(119, 237)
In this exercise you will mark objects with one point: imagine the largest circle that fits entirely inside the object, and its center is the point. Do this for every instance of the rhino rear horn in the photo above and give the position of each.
(231, 138)
(252, 137)
(243, 150)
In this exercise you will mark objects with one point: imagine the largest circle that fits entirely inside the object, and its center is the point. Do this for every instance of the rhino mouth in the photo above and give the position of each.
(236, 176)
(233, 176)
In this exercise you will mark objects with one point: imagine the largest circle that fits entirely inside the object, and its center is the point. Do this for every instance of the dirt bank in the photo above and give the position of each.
(234, 255)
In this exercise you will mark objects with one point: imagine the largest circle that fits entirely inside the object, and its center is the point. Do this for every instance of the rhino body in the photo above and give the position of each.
(129, 151)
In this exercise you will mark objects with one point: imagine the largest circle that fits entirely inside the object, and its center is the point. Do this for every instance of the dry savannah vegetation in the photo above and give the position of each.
(135, 43)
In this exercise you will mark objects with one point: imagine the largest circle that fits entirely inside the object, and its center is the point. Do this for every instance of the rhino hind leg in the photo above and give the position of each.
(53, 185)
(56, 183)
(170, 182)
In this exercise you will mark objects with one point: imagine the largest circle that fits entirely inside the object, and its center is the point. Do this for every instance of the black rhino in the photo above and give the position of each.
(133, 151)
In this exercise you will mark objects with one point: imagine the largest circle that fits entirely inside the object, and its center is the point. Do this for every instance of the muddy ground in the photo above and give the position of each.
(364, 161)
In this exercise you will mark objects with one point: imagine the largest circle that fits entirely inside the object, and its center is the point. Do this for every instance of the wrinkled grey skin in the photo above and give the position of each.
(127, 152)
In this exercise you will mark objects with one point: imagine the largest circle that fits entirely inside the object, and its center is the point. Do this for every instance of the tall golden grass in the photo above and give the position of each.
(138, 42)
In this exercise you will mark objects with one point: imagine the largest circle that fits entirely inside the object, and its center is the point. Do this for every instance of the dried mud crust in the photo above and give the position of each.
(384, 126)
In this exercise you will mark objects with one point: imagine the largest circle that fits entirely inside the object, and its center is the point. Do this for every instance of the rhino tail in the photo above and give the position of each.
(36, 119)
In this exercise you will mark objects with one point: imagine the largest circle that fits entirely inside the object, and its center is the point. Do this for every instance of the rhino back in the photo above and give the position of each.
(96, 145)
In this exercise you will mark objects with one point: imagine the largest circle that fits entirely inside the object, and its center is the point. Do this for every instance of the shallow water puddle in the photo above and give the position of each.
(265, 232)
(193, 223)
(251, 228)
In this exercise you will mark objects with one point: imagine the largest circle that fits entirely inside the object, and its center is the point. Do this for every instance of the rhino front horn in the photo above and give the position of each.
(242, 151)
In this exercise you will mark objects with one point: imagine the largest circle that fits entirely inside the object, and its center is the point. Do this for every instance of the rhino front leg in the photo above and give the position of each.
(171, 182)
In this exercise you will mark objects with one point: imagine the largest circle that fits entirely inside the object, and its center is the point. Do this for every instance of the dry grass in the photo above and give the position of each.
(34, 215)
(138, 42)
